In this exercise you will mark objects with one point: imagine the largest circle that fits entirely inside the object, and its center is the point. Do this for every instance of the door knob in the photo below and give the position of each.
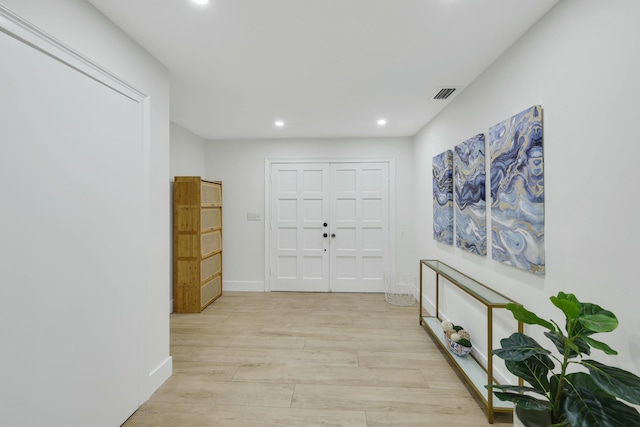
(325, 224)
(324, 235)
(333, 235)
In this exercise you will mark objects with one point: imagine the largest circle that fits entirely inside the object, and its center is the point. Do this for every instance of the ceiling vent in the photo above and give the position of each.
(445, 93)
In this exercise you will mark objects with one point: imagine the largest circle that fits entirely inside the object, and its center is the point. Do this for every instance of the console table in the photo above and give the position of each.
(473, 372)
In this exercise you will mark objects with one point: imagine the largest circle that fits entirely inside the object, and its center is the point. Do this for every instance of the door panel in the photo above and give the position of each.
(353, 199)
(360, 217)
(299, 199)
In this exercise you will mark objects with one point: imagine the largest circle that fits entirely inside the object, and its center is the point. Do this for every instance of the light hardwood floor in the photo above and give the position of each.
(308, 359)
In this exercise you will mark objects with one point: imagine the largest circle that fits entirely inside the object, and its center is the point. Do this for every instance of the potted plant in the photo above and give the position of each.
(569, 389)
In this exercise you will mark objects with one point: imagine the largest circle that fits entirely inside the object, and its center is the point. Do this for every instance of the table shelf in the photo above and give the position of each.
(472, 371)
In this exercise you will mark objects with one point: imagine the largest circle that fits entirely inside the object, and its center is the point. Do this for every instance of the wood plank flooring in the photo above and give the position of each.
(308, 359)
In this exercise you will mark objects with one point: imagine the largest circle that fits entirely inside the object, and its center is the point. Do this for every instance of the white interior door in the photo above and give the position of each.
(72, 262)
(359, 253)
(299, 209)
(329, 227)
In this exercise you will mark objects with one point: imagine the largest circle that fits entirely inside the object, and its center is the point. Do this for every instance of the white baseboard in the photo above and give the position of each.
(242, 286)
(159, 375)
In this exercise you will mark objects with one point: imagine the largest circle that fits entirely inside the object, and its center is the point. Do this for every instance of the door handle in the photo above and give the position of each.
(333, 235)
(324, 235)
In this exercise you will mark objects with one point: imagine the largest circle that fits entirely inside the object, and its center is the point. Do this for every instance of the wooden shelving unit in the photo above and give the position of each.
(474, 373)
(197, 243)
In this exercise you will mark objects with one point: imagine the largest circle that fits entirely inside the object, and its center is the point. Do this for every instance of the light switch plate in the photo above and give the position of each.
(253, 216)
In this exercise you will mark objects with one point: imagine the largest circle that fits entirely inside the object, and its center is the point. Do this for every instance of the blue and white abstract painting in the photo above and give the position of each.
(443, 197)
(469, 190)
(517, 191)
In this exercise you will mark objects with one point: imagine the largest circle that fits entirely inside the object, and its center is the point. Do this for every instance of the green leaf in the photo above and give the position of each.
(535, 418)
(571, 309)
(534, 370)
(569, 297)
(525, 316)
(519, 347)
(524, 401)
(588, 310)
(580, 345)
(586, 405)
(464, 342)
(556, 386)
(600, 322)
(600, 346)
(513, 388)
(615, 381)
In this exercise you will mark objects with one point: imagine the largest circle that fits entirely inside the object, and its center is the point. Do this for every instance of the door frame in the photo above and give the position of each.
(268, 162)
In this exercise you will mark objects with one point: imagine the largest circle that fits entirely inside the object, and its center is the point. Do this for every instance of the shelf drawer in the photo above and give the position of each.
(210, 266)
(211, 193)
(210, 218)
(211, 290)
(211, 242)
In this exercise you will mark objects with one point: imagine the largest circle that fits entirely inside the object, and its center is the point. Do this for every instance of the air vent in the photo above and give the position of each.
(444, 93)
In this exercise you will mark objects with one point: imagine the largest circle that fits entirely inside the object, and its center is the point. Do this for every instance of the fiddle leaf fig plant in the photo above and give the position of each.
(572, 389)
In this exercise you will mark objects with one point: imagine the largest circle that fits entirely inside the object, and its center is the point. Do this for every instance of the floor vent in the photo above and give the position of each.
(444, 93)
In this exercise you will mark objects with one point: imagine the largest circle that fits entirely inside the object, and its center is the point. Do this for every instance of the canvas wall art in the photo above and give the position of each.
(469, 195)
(443, 197)
(517, 191)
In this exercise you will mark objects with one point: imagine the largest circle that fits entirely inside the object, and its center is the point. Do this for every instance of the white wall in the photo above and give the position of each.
(78, 25)
(240, 166)
(581, 62)
(187, 159)
(187, 153)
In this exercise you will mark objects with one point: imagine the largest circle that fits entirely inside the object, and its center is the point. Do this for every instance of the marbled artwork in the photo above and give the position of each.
(443, 197)
(517, 191)
(469, 195)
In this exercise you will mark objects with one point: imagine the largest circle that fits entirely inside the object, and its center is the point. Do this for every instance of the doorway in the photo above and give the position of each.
(329, 226)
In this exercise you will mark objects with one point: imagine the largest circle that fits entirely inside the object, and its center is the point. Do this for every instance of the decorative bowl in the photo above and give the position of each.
(457, 349)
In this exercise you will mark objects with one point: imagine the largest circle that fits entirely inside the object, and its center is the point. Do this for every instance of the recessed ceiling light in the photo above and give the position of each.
(382, 122)
(279, 123)
(200, 1)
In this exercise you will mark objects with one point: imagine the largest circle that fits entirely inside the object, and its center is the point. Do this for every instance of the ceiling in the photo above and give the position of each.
(327, 68)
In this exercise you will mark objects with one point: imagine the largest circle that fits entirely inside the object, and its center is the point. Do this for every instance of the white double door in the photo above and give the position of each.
(329, 229)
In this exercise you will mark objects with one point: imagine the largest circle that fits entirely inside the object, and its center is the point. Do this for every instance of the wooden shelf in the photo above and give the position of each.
(197, 243)
(473, 372)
